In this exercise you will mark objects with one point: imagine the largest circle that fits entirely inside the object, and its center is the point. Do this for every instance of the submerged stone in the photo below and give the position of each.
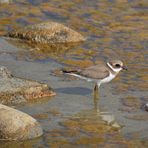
(48, 32)
(16, 125)
(15, 90)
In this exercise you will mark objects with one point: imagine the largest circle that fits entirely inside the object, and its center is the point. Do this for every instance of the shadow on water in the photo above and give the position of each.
(74, 90)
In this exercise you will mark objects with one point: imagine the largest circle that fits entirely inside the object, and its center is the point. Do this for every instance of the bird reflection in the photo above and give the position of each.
(104, 116)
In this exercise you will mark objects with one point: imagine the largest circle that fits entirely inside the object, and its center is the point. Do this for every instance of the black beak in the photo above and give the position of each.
(124, 68)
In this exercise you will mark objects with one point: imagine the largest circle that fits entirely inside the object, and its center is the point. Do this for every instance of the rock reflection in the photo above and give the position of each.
(18, 144)
(37, 51)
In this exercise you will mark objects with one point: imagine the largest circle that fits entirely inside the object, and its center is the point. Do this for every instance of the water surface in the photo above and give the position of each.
(114, 29)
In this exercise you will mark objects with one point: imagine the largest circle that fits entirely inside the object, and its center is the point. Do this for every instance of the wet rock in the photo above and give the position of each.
(16, 125)
(15, 90)
(146, 107)
(48, 32)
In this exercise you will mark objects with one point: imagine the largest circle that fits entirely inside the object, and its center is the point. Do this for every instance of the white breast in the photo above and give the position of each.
(108, 79)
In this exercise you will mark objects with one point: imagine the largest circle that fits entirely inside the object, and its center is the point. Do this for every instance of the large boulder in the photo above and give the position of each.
(16, 125)
(49, 32)
(15, 90)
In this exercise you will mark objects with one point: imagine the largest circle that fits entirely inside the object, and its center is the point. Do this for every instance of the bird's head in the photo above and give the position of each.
(116, 65)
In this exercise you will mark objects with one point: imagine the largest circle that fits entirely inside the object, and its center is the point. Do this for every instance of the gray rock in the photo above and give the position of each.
(16, 125)
(49, 32)
(15, 90)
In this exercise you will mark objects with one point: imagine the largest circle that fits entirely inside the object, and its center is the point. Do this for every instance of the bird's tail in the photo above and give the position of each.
(69, 70)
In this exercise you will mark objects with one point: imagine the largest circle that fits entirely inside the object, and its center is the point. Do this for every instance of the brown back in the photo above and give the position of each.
(96, 72)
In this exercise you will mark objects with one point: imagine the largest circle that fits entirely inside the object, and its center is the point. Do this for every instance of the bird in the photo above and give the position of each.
(99, 74)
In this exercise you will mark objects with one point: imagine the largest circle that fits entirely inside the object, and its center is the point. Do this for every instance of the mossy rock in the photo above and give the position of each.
(48, 32)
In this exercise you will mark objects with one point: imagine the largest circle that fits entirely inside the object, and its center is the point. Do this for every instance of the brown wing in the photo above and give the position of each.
(95, 72)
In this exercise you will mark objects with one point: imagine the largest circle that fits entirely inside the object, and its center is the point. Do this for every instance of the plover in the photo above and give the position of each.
(99, 74)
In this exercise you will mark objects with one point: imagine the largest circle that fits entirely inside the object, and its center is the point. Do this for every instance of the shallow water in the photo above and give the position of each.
(72, 119)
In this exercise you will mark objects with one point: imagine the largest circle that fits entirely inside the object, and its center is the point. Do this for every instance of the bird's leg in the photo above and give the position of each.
(96, 91)
(96, 96)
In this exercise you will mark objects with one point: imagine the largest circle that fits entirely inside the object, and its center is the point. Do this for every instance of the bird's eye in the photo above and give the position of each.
(117, 65)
